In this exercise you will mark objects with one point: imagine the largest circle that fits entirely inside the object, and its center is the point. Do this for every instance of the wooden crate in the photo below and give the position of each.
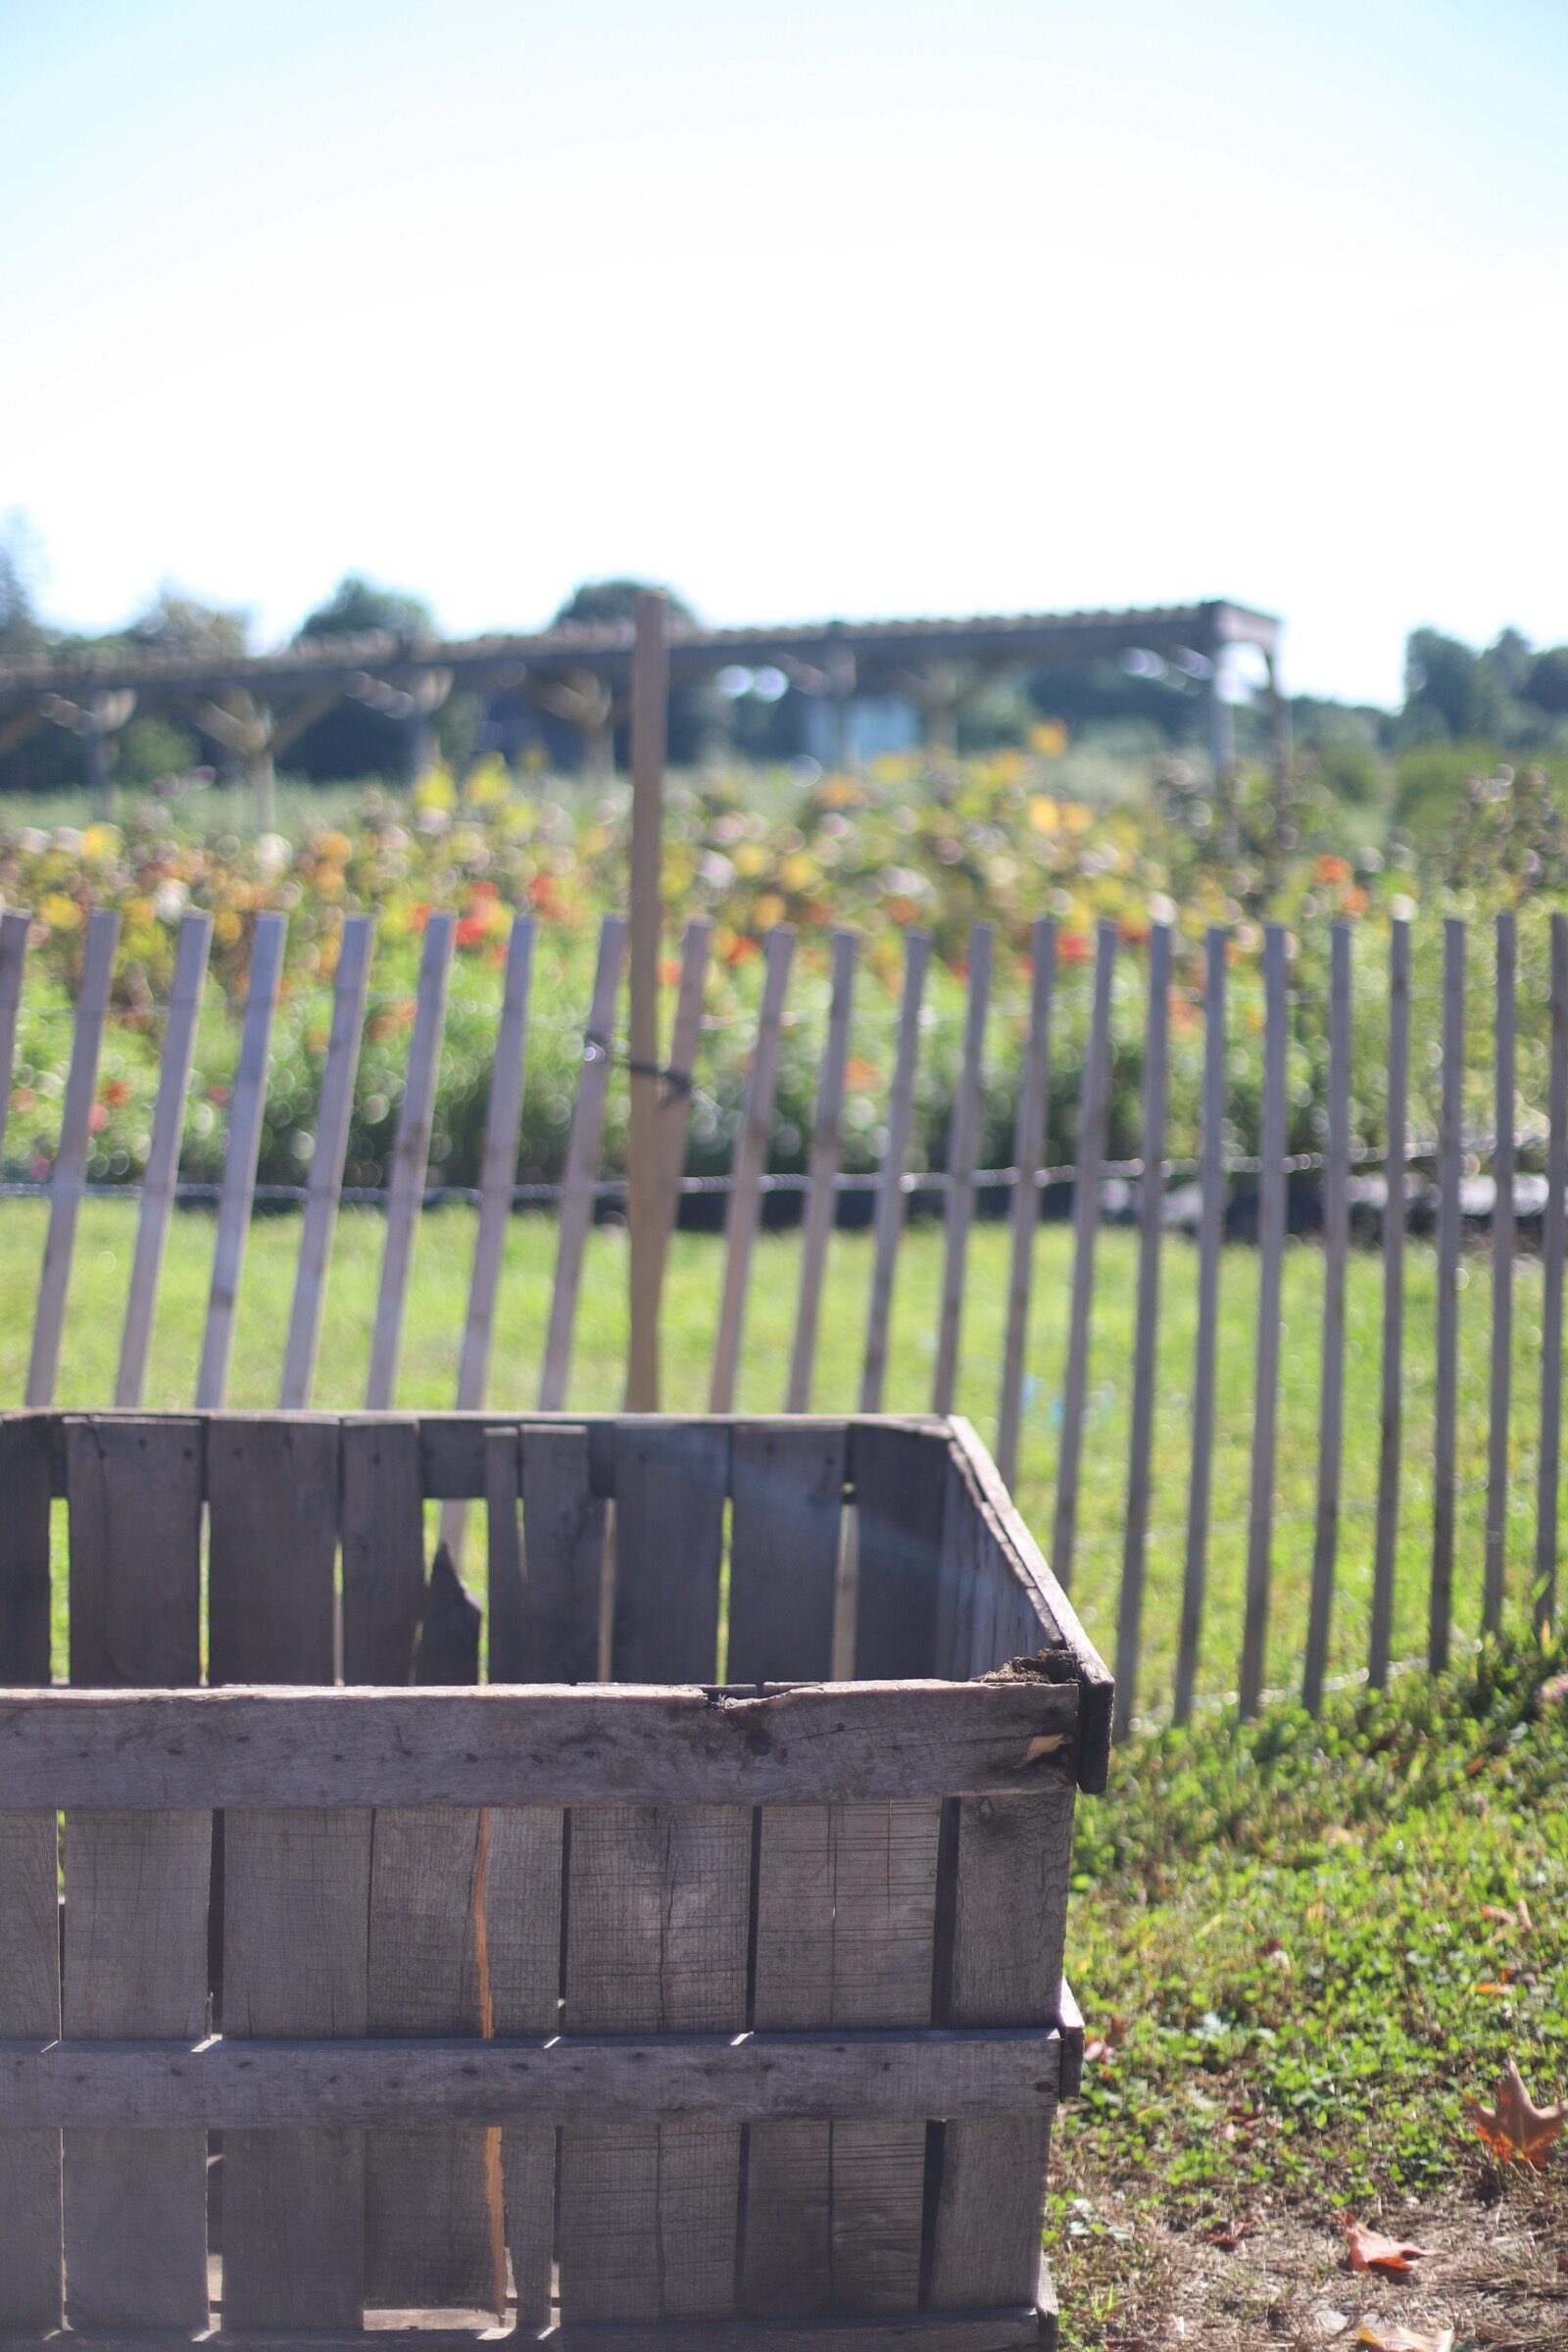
(660, 1989)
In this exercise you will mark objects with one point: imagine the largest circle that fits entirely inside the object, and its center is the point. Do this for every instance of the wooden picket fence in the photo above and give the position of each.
(581, 1190)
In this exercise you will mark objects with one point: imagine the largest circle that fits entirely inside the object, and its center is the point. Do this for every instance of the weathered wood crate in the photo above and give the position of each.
(660, 1990)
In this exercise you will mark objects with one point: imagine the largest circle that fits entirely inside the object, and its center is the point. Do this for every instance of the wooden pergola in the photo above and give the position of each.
(252, 706)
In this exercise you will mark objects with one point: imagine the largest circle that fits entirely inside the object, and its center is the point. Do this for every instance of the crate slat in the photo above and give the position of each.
(273, 1510)
(134, 1490)
(786, 1527)
(26, 1484)
(296, 1898)
(670, 1484)
(1021, 2330)
(382, 1528)
(899, 1482)
(523, 1871)
(564, 1530)
(135, 1961)
(29, 2158)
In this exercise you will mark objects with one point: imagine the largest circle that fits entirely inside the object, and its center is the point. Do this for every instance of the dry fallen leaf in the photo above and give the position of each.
(1516, 2130)
(1370, 2251)
(1404, 2339)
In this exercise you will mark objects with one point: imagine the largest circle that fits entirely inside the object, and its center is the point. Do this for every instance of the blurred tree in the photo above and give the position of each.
(173, 623)
(350, 739)
(1547, 684)
(606, 601)
(699, 721)
(357, 607)
(21, 632)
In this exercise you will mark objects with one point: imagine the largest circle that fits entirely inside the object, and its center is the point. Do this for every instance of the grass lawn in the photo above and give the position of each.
(1302, 1946)
(435, 1310)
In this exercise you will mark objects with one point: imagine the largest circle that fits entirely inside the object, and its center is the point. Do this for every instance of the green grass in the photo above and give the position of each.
(434, 1320)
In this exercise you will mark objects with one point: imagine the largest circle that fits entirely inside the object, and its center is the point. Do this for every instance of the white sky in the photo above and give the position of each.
(852, 307)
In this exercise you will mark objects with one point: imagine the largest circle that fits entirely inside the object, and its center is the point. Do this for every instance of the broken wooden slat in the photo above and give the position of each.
(382, 1522)
(889, 1222)
(670, 1484)
(1392, 1395)
(273, 1510)
(750, 1167)
(846, 1923)
(657, 1912)
(162, 1154)
(134, 1489)
(822, 1193)
(1028, 1147)
(1336, 1249)
(1445, 1435)
(325, 1184)
(296, 1901)
(238, 1191)
(541, 1746)
(1151, 1227)
(1271, 1254)
(1553, 1234)
(577, 1214)
(411, 1158)
(68, 1177)
(1210, 1239)
(1094, 1111)
(786, 1524)
(135, 1962)
(30, 2004)
(1503, 1242)
(963, 1157)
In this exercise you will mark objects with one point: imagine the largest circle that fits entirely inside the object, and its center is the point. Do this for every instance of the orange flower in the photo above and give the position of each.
(1330, 868)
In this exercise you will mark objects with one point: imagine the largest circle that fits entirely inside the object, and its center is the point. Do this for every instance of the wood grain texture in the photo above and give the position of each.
(658, 1916)
(963, 1157)
(135, 1491)
(888, 1228)
(1009, 1861)
(1028, 1147)
(411, 1160)
(1210, 1240)
(238, 1191)
(822, 1197)
(27, 1480)
(296, 1901)
(161, 1170)
(432, 2199)
(325, 1182)
(69, 1176)
(30, 2004)
(523, 1887)
(786, 1524)
(135, 1962)
(846, 1913)
(273, 1509)
(564, 1537)
(574, 1219)
(750, 1166)
(899, 1480)
(382, 1524)
(670, 1484)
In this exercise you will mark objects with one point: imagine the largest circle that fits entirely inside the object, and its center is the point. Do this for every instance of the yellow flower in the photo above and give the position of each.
(1044, 814)
(768, 911)
(1048, 738)
(60, 912)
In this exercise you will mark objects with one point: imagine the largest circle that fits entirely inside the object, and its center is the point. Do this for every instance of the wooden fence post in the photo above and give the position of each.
(968, 1110)
(239, 1162)
(411, 1158)
(575, 1216)
(14, 929)
(1449, 1169)
(1552, 1238)
(750, 1167)
(325, 1184)
(1336, 1248)
(889, 1224)
(822, 1197)
(1271, 1249)
(1394, 1217)
(1028, 1145)
(69, 1178)
(1093, 1112)
(650, 697)
(162, 1154)
(1210, 1240)
(1503, 1237)
(1151, 1228)
(674, 1112)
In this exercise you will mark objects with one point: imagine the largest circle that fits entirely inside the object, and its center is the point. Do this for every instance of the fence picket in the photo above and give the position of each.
(576, 1214)
(325, 1182)
(239, 1162)
(889, 1225)
(70, 1173)
(163, 1155)
(410, 1157)
(821, 1198)
(1503, 1239)
(1336, 1248)
(1210, 1239)
(14, 929)
(674, 1113)
(1450, 1167)
(1028, 1145)
(1271, 1251)
(1093, 1112)
(1394, 1218)
(750, 1167)
(963, 1159)
(1552, 1238)
(1151, 1228)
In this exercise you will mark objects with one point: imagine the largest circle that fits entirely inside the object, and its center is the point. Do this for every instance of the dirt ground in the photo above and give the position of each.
(1496, 2271)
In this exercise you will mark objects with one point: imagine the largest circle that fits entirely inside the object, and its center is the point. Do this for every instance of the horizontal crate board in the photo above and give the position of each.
(565, 1745)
